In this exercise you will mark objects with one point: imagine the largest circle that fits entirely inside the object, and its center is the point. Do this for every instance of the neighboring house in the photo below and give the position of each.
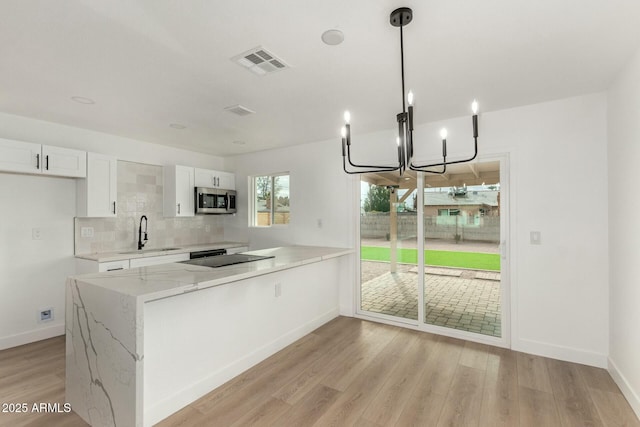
(461, 206)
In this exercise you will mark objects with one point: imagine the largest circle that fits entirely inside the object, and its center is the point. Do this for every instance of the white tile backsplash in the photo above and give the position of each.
(140, 193)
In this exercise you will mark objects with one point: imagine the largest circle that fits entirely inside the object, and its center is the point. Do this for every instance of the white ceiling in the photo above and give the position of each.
(151, 63)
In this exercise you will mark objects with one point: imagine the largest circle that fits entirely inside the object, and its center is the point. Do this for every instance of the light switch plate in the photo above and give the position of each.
(535, 238)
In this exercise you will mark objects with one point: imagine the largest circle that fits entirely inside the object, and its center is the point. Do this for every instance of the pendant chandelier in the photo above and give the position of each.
(399, 18)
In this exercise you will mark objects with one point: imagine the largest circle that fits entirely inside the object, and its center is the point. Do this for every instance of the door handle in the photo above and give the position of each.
(47, 162)
(38, 161)
(178, 208)
(114, 207)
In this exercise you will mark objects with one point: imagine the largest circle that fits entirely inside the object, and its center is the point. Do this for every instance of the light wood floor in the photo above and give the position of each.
(351, 372)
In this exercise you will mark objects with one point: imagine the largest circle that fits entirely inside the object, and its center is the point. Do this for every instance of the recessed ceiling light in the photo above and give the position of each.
(332, 37)
(239, 142)
(83, 100)
(177, 126)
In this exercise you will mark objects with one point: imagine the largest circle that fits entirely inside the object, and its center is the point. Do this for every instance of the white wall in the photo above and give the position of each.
(319, 190)
(42, 132)
(558, 187)
(33, 272)
(624, 230)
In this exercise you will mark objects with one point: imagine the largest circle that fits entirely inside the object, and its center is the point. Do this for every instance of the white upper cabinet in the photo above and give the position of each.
(27, 157)
(179, 191)
(18, 156)
(215, 179)
(97, 194)
(227, 180)
(64, 161)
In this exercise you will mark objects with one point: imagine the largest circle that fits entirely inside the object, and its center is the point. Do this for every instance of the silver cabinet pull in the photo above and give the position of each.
(114, 207)
(47, 162)
(178, 208)
(38, 161)
(114, 269)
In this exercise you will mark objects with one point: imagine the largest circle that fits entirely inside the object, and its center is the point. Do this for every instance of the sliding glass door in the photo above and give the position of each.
(430, 249)
(388, 247)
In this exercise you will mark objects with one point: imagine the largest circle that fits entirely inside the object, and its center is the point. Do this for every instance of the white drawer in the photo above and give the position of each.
(113, 265)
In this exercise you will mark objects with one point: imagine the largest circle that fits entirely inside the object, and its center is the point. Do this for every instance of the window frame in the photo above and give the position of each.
(253, 213)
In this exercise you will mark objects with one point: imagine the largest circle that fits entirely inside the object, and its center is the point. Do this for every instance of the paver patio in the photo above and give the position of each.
(468, 300)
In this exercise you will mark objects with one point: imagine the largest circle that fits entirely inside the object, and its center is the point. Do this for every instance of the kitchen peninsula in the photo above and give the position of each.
(143, 343)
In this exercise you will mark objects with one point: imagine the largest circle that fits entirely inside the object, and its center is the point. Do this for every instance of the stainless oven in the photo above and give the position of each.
(215, 201)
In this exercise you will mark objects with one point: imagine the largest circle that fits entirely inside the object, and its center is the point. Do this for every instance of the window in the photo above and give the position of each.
(270, 200)
(448, 212)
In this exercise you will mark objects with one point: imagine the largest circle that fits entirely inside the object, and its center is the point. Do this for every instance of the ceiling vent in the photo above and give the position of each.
(239, 110)
(259, 61)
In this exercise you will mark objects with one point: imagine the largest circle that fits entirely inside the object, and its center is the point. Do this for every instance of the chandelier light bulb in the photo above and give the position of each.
(410, 98)
(343, 132)
(474, 107)
(347, 117)
(443, 133)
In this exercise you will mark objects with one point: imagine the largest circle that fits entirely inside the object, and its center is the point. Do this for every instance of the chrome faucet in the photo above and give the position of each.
(140, 244)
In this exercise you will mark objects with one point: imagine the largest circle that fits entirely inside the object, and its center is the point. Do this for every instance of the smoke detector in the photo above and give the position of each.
(239, 110)
(260, 61)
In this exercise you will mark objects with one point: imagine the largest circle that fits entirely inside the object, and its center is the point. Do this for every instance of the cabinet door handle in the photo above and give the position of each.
(38, 161)
(47, 162)
(178, 208)
(114, 207)
(218, 181)
(114, 269)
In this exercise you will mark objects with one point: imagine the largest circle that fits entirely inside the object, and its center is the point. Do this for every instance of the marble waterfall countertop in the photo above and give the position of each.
(161, 281)
(132, 253)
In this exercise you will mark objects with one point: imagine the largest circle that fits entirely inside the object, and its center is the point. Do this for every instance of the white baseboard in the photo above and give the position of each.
(568, 354)
(183, 397)
(31, 336)
(632, 397)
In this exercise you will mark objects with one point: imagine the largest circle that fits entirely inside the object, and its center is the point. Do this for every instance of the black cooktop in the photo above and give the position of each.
(223, 260)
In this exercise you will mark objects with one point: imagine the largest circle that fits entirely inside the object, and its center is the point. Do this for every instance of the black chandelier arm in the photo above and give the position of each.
(375, 167)
(357, 172)
(445, 163)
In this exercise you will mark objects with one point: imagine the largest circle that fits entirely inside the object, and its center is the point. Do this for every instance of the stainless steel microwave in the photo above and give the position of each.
(215, 201)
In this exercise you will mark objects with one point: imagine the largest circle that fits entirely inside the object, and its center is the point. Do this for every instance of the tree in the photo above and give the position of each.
(263, 187)
(377, 199)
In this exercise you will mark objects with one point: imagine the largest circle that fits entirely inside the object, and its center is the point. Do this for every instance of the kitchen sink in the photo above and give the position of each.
(147, 250)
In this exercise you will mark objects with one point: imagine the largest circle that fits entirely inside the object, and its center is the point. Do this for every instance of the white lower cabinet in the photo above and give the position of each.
(86, 266)
(113, 265)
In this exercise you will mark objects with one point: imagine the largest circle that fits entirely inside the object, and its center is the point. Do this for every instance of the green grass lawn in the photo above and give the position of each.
(470, 260)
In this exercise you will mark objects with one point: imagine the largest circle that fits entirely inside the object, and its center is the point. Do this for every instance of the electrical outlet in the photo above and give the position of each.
(45, 315)
(36, 233)
(278, 289)
(86, 231)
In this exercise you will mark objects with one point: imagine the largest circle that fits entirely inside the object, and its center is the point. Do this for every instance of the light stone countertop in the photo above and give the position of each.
(161, 281)
(132, 253)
